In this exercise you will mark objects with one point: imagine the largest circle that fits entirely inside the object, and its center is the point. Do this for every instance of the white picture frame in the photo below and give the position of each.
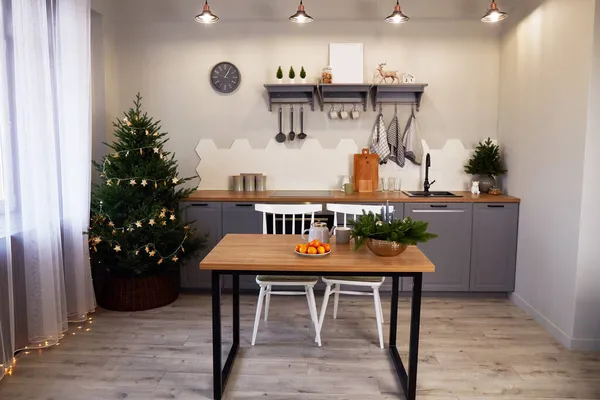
(347, 62)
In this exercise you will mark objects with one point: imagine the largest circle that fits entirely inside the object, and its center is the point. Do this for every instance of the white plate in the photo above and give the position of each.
(313, 255)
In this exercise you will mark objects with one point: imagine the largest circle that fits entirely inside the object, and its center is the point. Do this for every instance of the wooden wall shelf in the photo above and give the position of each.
(283, 93)
(344, 93)
(404, 93)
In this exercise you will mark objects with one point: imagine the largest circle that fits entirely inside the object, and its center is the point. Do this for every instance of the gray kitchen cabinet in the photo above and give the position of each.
(451, 250)
(494, 247)
(241, 218)
(206, 219)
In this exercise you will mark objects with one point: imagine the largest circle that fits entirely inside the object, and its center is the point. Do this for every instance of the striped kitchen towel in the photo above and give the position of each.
(379, 144)
(394, 139)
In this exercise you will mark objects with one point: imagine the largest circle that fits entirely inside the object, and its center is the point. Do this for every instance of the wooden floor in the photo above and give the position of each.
(470, 350)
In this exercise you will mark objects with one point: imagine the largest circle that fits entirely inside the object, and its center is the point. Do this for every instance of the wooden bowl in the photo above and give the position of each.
(384, 248)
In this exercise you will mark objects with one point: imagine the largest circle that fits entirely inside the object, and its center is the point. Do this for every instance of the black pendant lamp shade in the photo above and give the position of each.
(206, 17)
(397, 16)
(301, 17)
(494, 14)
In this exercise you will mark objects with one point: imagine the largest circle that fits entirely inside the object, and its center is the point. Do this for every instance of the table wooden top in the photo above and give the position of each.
(276, 253)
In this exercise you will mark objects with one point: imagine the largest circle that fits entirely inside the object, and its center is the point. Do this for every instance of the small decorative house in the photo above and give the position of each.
(408, 78)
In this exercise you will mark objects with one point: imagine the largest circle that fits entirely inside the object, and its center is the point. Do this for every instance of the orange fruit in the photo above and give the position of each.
(321, 250)
(312, 250)
(298, 247)
(315, 243)
(327, 247)
(303, 248)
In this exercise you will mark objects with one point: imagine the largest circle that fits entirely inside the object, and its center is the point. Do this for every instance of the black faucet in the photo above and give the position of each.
(426, 184)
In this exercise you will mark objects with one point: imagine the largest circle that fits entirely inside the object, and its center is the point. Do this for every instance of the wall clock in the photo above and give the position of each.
(225, 77)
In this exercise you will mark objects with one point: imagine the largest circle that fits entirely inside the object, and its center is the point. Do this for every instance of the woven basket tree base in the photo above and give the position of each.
(138, 294)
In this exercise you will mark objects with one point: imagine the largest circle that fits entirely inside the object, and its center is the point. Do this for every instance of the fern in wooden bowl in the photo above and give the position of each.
(386, 236)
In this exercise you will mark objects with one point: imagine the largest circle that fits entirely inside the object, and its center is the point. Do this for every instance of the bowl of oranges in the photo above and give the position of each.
(314, 248)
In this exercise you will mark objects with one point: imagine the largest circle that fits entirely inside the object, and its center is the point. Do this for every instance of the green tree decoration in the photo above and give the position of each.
(486, 160)
(279, 73)
(302, 73)
(292, 74)
(136, 225)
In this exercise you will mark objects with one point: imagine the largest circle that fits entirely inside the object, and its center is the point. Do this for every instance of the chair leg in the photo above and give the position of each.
(312, 306)
(377, 301)
(381, 310)
(324, 306)
(336, 299)
(261, 298)
(267, 302)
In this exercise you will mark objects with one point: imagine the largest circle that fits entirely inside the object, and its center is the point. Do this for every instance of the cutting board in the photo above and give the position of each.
(366, 171)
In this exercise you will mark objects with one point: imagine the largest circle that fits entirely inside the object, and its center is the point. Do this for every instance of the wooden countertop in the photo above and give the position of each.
(276, 253)
(340, 197)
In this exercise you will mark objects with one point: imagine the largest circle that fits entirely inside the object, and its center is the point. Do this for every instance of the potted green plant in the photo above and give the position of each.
(485, 165)
(386, 236)
(279, 75)
(303, 75)
(292, 75)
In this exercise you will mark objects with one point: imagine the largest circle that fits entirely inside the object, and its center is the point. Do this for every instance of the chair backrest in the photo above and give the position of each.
(354, 210)
(291, 210)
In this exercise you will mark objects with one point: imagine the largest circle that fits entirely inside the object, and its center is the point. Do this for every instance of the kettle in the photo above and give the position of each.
(319, 231)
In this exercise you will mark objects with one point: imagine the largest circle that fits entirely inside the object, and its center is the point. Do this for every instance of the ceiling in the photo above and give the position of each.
(321, 10)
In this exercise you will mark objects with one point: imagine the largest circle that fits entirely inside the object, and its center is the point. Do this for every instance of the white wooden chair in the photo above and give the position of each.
(267, 282)
(334, 283)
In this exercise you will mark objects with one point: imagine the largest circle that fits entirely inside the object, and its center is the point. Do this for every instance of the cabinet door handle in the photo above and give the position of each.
(438, 205)
(245, 205)
(495, 206)
(199, 205)
(438, 211)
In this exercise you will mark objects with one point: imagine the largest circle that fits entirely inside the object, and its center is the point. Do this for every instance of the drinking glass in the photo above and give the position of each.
(381, 185)
(391, 184)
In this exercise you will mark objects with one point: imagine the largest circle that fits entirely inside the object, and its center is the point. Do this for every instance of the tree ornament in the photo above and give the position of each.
(172, 217)
(118, 182)
(147, 249)
(147, 133)
(155, 133)
(151, 222)
(138, 224)
(175, 180)
(115, 155)
(141, 152)
(137, 252)
(164, 223)
(160, 261)
(186, 227)
(182, 249)
(114, 232)
(156, 150)
(152, 253)
(155, 185)
(111, 224)
(144, 182)
(117, 248)
(97, 240)
(109, 182)
(132, 182)
(175, 258)
(162, 214)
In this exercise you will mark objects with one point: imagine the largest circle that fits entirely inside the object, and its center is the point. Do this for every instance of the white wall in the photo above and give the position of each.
(166, 56)
(545, 76)
(587, 309)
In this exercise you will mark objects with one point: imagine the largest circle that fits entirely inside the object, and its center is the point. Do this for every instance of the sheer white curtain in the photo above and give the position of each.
(45, 128)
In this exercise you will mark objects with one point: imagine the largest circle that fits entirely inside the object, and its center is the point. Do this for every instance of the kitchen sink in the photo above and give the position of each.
(431, 194)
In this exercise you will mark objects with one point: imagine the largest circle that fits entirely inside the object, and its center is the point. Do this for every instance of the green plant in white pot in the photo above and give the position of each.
(485, 164)
(292, 75)
(303, 75)
(279, 75)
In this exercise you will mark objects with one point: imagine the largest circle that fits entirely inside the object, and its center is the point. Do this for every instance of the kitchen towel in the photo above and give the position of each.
(379, 144)
(413, 147)
(394, 139)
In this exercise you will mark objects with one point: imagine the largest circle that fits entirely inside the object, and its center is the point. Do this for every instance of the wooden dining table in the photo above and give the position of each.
(237, 255)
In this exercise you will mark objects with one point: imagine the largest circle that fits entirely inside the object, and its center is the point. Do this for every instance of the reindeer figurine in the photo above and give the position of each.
(387, 74)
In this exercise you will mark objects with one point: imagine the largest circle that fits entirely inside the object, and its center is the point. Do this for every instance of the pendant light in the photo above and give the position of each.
(397, 16)
(301, 17)
(494, 14)
(206, 17)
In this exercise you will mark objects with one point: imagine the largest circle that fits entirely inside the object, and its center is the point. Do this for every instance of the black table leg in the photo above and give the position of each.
(216, 335)
(415, 326)
(221, 371)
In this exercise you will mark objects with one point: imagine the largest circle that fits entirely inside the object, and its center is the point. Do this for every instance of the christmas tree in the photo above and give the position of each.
(136, 225)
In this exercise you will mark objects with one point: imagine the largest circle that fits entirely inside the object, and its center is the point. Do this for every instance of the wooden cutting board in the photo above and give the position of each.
(366, 171)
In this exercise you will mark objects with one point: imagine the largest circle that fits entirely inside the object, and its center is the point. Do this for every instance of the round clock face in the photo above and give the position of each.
(225, 77)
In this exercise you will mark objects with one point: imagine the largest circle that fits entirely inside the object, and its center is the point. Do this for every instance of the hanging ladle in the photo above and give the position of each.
(302, 135)
(280, 138)
(292, 134)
